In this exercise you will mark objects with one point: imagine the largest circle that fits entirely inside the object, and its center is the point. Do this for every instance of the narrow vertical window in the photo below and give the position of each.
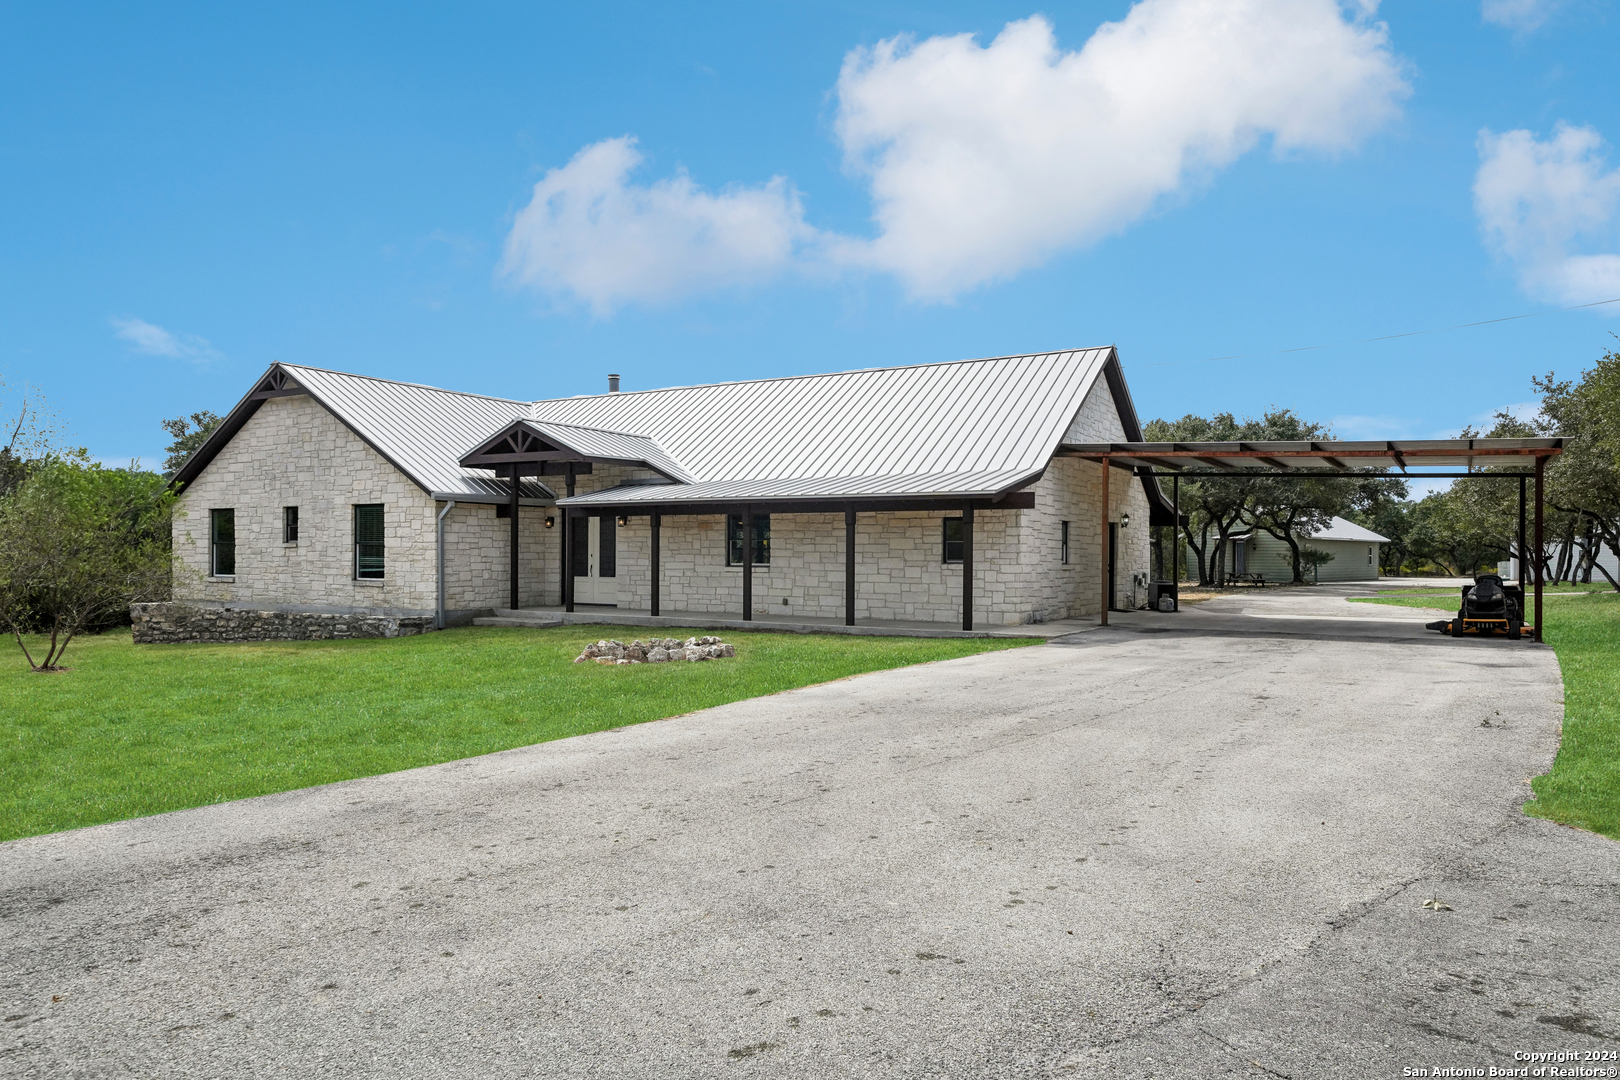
(951, 540)
(368, 541)
(607, 548)
(1064, 547)
(762, 540)
(289, 524)
(579, 546)
(222, 542)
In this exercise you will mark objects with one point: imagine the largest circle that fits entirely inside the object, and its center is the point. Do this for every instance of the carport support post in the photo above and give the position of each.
(1520, 574)
(748, 563)
(514, 508)
(849, 566)
(1541, 469)
(1102, 567)
(967, 567)
(1175, 537)
(656, 521)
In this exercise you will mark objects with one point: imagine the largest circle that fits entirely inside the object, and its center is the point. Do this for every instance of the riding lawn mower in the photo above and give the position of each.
(1489, 606)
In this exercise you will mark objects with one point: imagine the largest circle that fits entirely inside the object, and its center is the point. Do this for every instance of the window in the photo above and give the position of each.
(222, 543)
(289, 524)
(368, 541)
(579, 546)
(1370, 556)
(1064, 553)
(762, 540)
(952, 546)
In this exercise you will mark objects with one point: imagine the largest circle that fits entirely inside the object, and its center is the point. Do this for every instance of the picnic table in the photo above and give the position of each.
(1246, 579)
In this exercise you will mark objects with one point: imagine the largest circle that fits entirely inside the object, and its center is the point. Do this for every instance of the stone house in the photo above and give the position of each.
(935, 492)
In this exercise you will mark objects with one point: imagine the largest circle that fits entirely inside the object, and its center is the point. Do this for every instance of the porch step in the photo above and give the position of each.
(533, 622)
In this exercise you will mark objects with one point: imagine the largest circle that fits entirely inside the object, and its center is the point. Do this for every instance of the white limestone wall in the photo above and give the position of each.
(292, 452)
(899, 572)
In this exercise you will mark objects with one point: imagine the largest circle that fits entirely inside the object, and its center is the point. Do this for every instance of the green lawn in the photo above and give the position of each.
(1583, 788)
(140, 729)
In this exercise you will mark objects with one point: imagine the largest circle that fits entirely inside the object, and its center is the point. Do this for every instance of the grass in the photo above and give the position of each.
(1583, 787)
(141, 729)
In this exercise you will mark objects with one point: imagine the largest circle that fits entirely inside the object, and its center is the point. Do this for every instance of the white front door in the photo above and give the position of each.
(595, 558)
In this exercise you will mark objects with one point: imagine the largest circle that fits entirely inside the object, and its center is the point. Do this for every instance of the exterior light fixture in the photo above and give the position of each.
(1124, 521)
(624, 519)
(551, 520)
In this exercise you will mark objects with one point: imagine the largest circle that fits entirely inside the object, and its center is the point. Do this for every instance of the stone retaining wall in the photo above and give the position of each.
(174, 623)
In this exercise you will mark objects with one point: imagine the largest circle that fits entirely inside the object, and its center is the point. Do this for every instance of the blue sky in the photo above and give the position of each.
(742, 190)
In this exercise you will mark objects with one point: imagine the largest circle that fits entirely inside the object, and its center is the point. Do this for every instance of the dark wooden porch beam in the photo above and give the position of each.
(849, 566)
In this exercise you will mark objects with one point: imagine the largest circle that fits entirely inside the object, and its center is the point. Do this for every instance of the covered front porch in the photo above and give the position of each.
(636, 619)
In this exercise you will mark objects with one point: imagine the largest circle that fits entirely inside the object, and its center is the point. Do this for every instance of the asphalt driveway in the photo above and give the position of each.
(1163, 849)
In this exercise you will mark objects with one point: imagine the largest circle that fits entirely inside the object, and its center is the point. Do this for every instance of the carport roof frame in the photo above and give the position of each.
(1307, 457)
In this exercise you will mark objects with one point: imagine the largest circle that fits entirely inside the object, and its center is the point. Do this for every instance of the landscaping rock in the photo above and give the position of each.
(657, 651)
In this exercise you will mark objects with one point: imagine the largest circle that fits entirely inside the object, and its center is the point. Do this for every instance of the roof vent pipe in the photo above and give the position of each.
(613, 384)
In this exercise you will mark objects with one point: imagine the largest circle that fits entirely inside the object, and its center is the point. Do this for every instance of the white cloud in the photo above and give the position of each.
(1522, 15)
(590, 233)
(153, 340)
(1546, 205)
(984, 160)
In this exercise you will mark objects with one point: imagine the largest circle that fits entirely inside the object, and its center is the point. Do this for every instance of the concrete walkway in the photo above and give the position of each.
(1150, 851)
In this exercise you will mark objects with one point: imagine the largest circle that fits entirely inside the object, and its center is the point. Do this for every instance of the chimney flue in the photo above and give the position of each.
(613, 384)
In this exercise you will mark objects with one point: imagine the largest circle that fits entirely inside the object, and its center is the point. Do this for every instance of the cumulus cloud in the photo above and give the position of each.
(592, 233)
(1523, 15)
(985, 160)
(1550, 208)
(153, 340)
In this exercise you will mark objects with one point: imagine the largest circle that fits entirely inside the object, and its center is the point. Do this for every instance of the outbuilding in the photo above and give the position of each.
(1354, 552)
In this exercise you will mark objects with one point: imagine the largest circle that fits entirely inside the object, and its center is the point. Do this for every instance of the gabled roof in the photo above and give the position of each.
(961, 429)
(968, 417)
(526, 440)
(420, 430)
(1337, 529)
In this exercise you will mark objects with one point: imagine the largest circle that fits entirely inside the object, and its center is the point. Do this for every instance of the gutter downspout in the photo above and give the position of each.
(438, 621)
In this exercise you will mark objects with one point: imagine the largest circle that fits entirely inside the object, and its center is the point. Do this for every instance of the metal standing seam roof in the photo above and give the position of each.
(1337, 529)
(913, 485)
(600, 443)
(421, 429)
(938, 429)
(963, 428)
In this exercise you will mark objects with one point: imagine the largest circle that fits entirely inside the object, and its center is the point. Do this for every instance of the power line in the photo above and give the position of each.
(1385, 337)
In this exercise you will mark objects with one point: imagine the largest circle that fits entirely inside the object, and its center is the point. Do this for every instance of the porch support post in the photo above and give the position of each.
(748, 563)
(656, 521)
(849, 566)
(513, 574)
(1520, 567)
(1102, 567)
(1541, 468)
(567, 524)
(967, 566)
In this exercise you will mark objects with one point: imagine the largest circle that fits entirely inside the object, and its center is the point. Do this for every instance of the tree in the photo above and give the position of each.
(35, 434)
(1583, 483)
(79, 543)
(189, 433)
(1313, 559)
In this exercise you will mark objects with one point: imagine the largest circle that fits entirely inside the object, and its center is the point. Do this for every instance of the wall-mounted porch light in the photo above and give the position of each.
(624, 519)
(551, 520)
(1124, 521)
